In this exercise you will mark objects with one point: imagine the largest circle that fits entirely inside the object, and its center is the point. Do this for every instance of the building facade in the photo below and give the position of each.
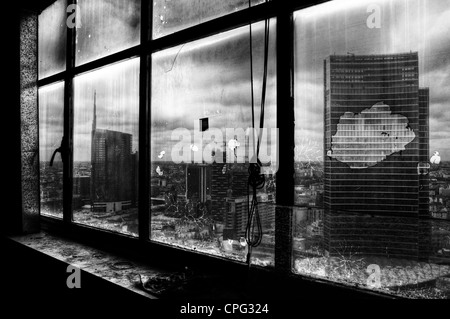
(375, 141)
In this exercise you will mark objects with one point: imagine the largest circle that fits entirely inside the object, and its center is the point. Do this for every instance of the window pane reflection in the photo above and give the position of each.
(107, 27)
(106, 127)
(371, 82)
(52, 39)
(51, 131)
(199, 183)
(174, 15)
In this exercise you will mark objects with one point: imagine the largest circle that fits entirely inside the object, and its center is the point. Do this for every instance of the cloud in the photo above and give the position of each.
(394, 140)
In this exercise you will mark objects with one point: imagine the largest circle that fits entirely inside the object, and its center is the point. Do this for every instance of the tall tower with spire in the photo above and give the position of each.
(111, 172)
(94, 128)
(94, 122)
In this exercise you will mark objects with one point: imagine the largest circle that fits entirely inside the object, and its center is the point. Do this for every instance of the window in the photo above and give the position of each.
(52, 40)
(199, 197)
(106, 143)
(364, 212)
(175, 15)
(51, 132)
(99, 20)
(150, 107)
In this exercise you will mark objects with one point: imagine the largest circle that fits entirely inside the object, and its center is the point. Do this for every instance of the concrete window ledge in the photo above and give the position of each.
(100, 271)
(108, 276)
(104, 274)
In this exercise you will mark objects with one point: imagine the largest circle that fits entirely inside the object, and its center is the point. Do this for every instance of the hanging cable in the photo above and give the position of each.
(256, 180)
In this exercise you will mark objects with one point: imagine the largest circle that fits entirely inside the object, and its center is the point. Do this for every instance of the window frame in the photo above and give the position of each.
(142, 245)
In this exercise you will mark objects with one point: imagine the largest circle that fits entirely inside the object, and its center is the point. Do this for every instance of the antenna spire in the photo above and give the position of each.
(94, 122)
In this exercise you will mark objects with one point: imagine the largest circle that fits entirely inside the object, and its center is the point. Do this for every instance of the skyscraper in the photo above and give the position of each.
(375, 141)
(112, 169)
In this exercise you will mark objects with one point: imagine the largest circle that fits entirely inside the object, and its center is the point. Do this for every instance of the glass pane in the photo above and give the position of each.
(170, 16)
(51, 131)
(106, 138)
(202, 92)
(107, 27)
(52, 39)
(371, 96)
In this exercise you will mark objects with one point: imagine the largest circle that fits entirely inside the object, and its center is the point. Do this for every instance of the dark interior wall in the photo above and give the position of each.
(33, 5)
(20, 151)
(35, 281)
(11, 157)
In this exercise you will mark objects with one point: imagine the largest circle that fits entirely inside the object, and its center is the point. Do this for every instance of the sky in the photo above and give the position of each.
(116, 88)
(211, 77)
(117, 99)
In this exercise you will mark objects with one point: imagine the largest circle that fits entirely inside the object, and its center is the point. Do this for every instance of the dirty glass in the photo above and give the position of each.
(51, 131)
(52, 39)
(106, 27)
(201, 147)
(170, 16)
(372, 156)
(105, 152)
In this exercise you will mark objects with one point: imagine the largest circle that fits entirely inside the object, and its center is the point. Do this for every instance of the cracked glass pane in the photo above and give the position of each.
(373, 145)
(105, 156)
(51, 131)
(170, 16)
(201, 100)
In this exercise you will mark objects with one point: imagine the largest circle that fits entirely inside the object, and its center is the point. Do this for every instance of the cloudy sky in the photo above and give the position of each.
(211, 77)
(117, 99)
(341, 26)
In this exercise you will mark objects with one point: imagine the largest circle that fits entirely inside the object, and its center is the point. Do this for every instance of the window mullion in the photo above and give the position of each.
(286, 126)
(68, 125)
(144, 125)
(215, 26)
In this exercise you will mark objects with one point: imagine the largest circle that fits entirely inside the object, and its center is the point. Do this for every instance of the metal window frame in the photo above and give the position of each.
(283, 11)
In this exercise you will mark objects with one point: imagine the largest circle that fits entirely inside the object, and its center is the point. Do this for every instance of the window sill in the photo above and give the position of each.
(121, 272)
(122, 275)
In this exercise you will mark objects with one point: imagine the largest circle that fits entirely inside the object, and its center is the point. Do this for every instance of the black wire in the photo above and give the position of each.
(256, 180)
(264, 86)
(251, 81)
